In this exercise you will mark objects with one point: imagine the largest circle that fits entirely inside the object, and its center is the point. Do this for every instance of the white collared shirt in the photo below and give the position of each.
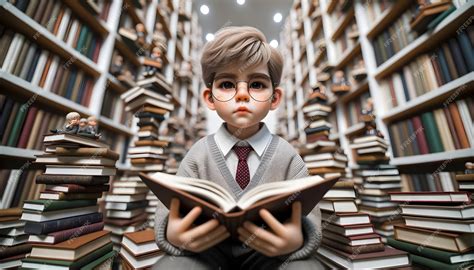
(259, 142)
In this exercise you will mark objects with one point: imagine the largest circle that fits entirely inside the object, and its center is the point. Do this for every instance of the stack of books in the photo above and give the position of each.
(466, 180)
(321, 155)
(378, 178)
(13, 240)
(126, 207)
(349, 239)
(64, 225)
(439, 229)
(139, 250)
(151, 101)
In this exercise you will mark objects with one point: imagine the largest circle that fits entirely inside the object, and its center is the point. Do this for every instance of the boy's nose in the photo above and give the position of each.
(242, 92)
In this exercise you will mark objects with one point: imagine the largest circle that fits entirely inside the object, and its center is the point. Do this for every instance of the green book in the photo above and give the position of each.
(94, 264)
(52, 205)
(81, 41)
(80, 263)
(432, 134)
(440, 18)
(434, 264)
(431, 253)
(17, 125)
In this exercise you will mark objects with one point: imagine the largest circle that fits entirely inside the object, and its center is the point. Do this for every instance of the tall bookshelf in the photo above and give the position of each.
(116, 125)
(302, 25)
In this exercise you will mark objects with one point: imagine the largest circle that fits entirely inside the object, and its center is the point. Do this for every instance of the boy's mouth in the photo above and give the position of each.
(242, 109)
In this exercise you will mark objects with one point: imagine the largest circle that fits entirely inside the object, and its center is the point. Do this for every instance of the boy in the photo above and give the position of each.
(241, 73)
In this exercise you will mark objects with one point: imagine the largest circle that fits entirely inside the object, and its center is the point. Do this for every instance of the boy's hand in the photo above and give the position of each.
(182, 234)
(283, 239)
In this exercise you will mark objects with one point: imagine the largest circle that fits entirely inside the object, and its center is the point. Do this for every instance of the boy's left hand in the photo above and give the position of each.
(283, 238)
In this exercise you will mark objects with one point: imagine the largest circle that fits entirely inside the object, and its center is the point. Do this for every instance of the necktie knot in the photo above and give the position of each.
(242, 152)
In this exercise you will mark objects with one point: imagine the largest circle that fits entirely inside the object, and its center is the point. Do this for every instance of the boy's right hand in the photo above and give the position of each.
(182, 234)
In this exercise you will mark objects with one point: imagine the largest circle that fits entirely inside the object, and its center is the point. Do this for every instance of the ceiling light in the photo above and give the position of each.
(277, 17)
(240, 2)
(204, 9)
(274, 43)
(209, 37)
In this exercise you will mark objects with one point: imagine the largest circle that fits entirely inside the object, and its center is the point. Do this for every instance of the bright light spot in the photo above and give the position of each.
(240, 2)
(274, 43)
(204, 9)
(277, 17)
(209, 37)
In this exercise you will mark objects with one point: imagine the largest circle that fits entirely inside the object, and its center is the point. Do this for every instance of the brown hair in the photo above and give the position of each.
(242, 45)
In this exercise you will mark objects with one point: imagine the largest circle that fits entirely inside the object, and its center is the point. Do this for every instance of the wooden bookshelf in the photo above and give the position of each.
(426, 41)
(387, 17)
(97, 25)
(448, 156)
(348, 55)
(343, 24)
(17, 20)
(462, 85)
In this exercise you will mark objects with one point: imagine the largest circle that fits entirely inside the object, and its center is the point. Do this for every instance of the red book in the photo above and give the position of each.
(26, 131)
(64, 235)
(420, 135)
(98, 45)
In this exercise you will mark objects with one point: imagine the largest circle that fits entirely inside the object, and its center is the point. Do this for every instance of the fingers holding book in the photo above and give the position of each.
(281, 239)
(182, 233)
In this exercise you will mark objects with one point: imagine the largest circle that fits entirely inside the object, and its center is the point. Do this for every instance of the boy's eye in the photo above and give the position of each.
(257, 85)
(227, 85)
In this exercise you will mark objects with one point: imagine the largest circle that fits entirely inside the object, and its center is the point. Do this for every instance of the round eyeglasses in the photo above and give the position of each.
(260, 89)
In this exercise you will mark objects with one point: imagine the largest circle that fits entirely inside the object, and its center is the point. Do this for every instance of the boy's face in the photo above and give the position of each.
(250, 102)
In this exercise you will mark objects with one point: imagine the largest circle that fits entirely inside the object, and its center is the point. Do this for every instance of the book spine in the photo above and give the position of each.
(61, 224)
(86, 228)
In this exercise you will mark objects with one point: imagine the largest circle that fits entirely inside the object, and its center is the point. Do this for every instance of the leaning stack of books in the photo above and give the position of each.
(13, 240)
(349, 240)
(151, 101)
(379, 178)
(439, 229)
(321, 155)
(139, 250)
(64, 225)
(126, 207)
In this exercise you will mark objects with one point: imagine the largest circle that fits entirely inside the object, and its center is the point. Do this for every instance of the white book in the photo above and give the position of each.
(146, 149)
(80, 170)
(117, 206)
(48, 83)
(143, 263)
(346, 218)
(325, 163)
(40, 67)
(340, 194)
(320, 123)
(141, 249)
(72, 33)
(366, 139)
(466, 120)
(129, 190)
(124, 213)
(71, 138)
(147, 155)
(320, 144)
(368, 144)
(58, 214)
(10, 189)
(13, 240)
(338, 206)
(378, 172)
(12, 52)
(440, 211)
(148, 167)
(383, 178)
(316, 107)
(382, 185)
(27, 62)
(74, 160)
(372, 150)
(147, 134)
(125, 198)
(349, 230)
(64, 23)
(444, 224)
(398, 86)
(325, 156)
(129, 184)
(140, 101)
(139, 91)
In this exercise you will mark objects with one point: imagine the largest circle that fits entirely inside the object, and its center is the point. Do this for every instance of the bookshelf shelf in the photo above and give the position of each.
(343, 24)
(116, 84)
(456, 155)
(126, 51)
(426, 41)
(21, 153)
(19, 87)
(14, 18)
(331, 6)
(98, 25)
(462, 84)
(354, 129)
(348, 55)
(361, 87)
(386, 18)
(114, 126)
(318, 25)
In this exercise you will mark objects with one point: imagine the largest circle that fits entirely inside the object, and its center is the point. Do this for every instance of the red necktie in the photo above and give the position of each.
(242, 175)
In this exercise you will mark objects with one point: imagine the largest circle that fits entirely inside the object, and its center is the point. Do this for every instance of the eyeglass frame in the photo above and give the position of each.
(209, 85)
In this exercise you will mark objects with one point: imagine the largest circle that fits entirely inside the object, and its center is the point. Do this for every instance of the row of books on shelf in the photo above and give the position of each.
(452, 60)
(16, 186)
(348, 38)
(60, 20)
(443, 181)
(375, 9)
(354, 108)
(446, 128)
(113, 107)
(394, 38)
(26, 60)
(22, 125)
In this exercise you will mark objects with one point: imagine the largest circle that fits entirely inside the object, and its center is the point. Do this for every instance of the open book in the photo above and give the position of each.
(217, 202)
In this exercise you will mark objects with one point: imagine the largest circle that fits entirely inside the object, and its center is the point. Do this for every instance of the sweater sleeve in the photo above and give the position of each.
(311, 223)
(187, 168)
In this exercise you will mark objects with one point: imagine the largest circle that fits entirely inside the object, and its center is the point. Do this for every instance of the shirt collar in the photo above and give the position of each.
(258, 141)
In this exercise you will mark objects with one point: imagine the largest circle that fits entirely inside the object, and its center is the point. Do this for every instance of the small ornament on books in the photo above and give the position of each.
(141, 34)
(153, 64)
(79, 126)
(117, 64)
(340, 84)
(359, 72)
(318, 95)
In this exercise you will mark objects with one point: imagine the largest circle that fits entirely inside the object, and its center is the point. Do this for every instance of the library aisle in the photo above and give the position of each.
(97, 94)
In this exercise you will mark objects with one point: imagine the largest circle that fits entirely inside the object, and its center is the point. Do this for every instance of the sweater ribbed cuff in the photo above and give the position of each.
(311, 242)
(166, 246)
